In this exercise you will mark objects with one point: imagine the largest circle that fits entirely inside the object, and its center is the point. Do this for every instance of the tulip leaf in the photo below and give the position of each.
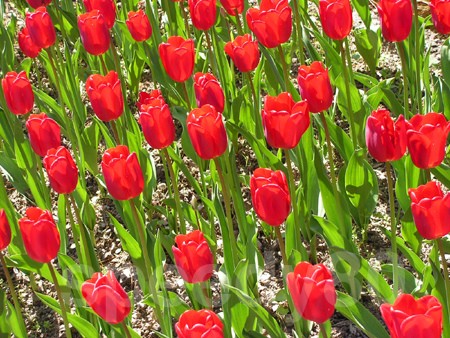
(407, 282)
(368, 43)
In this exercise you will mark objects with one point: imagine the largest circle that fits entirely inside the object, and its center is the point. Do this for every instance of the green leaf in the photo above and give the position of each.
(368, 43)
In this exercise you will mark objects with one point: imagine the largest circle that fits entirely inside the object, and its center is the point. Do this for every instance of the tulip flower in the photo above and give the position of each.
(312, 290)
(430, 208)
(203, 13)
(202, 324)
(284, 121)
(107, 8)
(207, 132)
(18, 93)
(396, 19)
(157, 124)
(233, 7)
(94, 32)
(208, 91)
(385, 140)
(38, 3)
(105, 95)
(139, 25)
(122, 172)
(336, 18)
(26, 44)
(193, 257)
(61, 169)
(315, 86)
(177, 56)
(41, 28)
(5, 230)
(271, 23)
(106, 297)
(244, 52)
(40, 235)
(146, 98)
(427, 139)
(270, 195)
(44, 133)
(408, 317)
(440, 14)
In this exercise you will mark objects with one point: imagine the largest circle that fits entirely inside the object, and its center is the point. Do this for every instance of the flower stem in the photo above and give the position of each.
(301, 57)
(323, 330)
(256, 115)
(282, 247)
(393, 229)
(186, 96)
(417, 57)
(211, 54)
(114, 130)
(285, 69)
(125, 329)
(150, 63)
(185, 18)
(401, 52)
(445, 269)
(102, 61)
(61, 300)
(238, 23)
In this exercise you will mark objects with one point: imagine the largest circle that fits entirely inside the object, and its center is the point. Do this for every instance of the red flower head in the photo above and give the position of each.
(312, 291)
(193, 257)
(146, 98)
(139, 25)
(105, 95)
(284, 121)
(106, 7)
(106, 297)
(199, 324)
(315, 86)
(122, 173)
(431, 210)
(40, 27)
(38, 3)
(203, 13)
(18, 93)
(427, 139)
(44, 133)
(440, 13)
(336, 18)
(94, 32)
(233, 6)
(396, 19)
(208, 91)
(5, 230)
(40, 235)
(270, 196)
(244, 52)
(385, 140)
(177, 56)
(271, 23)
(207, 132)
(26, 44)
(61, 169)
(407, 317)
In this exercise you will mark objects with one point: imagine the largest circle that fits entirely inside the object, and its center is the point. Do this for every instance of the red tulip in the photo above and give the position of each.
(18, 93)
(244, 52)
(233, 7)
(41, 29)
(122, 173)
(315, 86)
(199, 324)
(193, 257)
(139, 25)
(40, 235)
(440, 13)
(105, 95)
(284, 121)
(106, 297)
(270, 196)
(157, 124)
(177, 56)
(44, 133)
(336, 18)
(396, 19)
(203, 13)
(106, 7)
(26, 44)
(61, 169)
(5, 230)
(408, 317)
(431, 210)
(385, 140)
(312, 291)
(146, 98)
(427, 139)
(207, 132)
(271, 23)
(94, 32)
(208, 91)
(38, 3)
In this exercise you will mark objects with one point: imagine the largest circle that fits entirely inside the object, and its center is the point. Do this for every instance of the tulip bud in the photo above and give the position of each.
(244, 52)
(26, 44)
(336, 18)
(201, 323)
(38, 3)
(44, 133)
(233, 7)
(5, 230)
(203, 13)
(94, 32)
(61, 169)
(139, 25)
(107, 8)
(177, 56)
(18, 93)
(440, 13)
(208, 91)
(396, 19)
(41, 29)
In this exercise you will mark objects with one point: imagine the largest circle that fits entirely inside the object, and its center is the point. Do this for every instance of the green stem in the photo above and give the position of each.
(185, 18)
(115, 132)
(150, 63)
(76, 238)
(125, 329)
(417, 57)
(61, 300)
(238, 23)
(393, 228)
(55, 74)
(282, 247)
(401, 52)
(285, 68)
(256, 114)
(211, 54)
(323, 330)
(102, 61)
(186, 96)
(445, 269)
(428, 176)
(347, 52)
(301, 57)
